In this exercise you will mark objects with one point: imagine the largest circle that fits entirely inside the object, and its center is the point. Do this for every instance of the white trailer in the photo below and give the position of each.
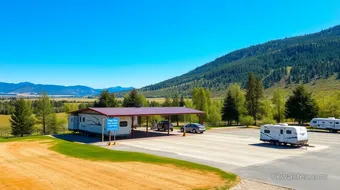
(90, 124)
(331, 124)
(284, 134)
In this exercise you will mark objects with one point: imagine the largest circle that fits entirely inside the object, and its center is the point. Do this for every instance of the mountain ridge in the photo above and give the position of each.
(29, 88)
(297, 59)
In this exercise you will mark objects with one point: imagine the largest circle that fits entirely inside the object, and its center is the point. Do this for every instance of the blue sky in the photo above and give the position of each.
(136, 43)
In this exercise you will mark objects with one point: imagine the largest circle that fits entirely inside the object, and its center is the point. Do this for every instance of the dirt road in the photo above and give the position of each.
(31, 165)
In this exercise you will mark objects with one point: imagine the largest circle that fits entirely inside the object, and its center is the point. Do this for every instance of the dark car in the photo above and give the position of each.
(194, 128)
(163, 126)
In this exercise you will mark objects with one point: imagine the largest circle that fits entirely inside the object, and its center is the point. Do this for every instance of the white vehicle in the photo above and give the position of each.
(284, 134)
(89, 124)
(331, 124)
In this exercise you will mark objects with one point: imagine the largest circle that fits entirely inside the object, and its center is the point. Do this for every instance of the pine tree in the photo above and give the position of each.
(43, 110)
(229, 111)
(106, 99)
(22, 120)
(301, 106)
(182, 102)
(254, 95)
(133, 99)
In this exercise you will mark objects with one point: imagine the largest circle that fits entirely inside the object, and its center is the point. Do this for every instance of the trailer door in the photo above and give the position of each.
(282, 135)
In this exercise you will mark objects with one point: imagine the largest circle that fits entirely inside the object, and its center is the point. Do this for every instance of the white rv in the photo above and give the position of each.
(284, 134)
(89, 124)
(331, 124)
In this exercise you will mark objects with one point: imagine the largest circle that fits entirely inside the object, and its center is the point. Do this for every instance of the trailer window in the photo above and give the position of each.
(266, 131)
(289, 132)
(79, 119)
(337, 123)
(123, 124)
(83, 119)
(281, 131)
(314, 121)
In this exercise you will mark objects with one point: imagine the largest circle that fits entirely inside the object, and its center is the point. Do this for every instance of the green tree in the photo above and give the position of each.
(134, 99)
(301, 106)
(254, 95)
(175, 103)
(266, 111)
(247, 120)
(22, 120)
(279, 104)
(69, 107)
(83, 106)
(201, 99)
(106, 99)
(44, 109)
(190, 118)
(238, 95)
(229, 111)
(214, 112)
(167, 102)
(51, 123)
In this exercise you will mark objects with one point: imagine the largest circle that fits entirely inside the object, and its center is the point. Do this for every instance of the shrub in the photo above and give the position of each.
(247, 120)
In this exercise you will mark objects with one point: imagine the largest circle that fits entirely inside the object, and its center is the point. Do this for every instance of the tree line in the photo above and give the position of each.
(240, 106)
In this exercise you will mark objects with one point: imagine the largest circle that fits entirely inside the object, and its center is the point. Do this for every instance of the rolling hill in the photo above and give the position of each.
(300, 59)
(27, 88)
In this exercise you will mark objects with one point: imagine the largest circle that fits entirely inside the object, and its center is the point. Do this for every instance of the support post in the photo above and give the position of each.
(169, 125)
(132, 127)
(147, 125)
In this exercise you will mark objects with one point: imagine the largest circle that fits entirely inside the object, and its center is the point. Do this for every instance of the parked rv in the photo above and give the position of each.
(331, 124)
(284, 134)
(90, 124)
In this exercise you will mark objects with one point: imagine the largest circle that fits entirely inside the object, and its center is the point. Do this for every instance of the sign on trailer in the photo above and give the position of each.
(112, 124)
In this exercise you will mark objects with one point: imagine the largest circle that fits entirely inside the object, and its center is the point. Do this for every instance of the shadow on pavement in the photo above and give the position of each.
(267, 145)
(98, 138)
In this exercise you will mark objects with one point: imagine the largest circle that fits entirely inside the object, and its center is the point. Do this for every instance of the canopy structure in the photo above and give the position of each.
(140, 111)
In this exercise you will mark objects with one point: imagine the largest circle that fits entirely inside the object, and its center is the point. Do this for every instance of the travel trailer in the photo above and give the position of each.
(331, 124)
(284, 134)
(90, 124)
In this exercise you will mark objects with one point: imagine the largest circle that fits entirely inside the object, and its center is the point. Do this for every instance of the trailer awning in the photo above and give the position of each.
(141, 111)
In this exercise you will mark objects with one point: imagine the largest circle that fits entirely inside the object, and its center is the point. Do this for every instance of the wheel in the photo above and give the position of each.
(182, 129)
(277, 143)
(172, 129)
(194, 131)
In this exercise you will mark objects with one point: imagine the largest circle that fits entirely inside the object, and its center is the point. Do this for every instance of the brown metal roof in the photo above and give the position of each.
(142, 111)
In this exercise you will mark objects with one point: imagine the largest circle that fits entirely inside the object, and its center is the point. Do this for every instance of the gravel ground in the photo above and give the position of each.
(247, 184)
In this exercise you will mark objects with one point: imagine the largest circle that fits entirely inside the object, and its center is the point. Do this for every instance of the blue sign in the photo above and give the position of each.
(112, 124)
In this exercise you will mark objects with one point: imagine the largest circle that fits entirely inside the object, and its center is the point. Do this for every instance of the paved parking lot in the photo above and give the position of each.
(240, 151)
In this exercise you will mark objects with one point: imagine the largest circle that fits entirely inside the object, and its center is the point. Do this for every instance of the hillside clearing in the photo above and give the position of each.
(115, 169)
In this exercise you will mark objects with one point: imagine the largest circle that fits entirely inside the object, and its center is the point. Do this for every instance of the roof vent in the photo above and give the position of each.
(283, 124)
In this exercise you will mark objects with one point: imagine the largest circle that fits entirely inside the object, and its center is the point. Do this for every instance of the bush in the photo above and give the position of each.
(247, 120)
(268, 121)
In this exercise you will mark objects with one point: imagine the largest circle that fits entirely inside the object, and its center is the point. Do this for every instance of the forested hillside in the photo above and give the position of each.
(300, 59)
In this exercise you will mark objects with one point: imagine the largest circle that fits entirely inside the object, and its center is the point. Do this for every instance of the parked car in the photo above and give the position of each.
(194, 128)
(163, 126)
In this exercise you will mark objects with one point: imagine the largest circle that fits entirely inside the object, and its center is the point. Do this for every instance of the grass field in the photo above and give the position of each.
(102, 155)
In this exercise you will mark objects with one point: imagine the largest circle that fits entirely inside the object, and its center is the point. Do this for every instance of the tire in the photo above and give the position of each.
(277, 143)
(182, 130)
(172, 130)
(194, 131)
